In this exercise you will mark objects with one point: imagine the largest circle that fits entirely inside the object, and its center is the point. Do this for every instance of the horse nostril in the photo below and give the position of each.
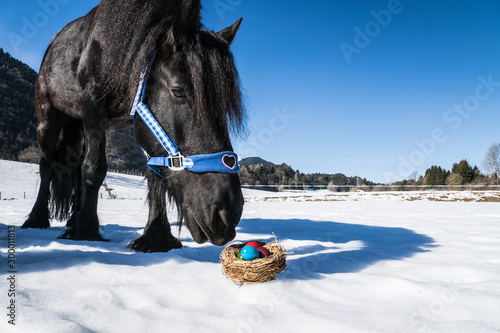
(227, 218)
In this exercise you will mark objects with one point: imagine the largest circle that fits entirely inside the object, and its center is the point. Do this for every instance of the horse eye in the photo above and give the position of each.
(178, 92)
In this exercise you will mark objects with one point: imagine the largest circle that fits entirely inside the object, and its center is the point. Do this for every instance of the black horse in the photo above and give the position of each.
(86, 86)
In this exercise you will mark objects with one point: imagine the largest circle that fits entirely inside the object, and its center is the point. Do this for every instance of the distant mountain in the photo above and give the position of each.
(17, 106)
(265, 175)
(254, 161)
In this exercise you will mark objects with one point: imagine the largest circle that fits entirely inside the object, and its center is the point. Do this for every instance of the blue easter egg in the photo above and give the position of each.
(249, 253)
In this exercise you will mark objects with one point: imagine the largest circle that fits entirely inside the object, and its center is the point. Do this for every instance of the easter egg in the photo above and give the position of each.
(263, 251)
(253, 244)
(249, 253)
(239, 255)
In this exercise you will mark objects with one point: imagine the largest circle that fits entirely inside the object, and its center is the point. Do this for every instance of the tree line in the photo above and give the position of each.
(461, 173)
(17, 106)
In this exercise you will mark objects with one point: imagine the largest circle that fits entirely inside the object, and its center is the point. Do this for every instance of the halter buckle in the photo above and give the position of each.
(176, 163)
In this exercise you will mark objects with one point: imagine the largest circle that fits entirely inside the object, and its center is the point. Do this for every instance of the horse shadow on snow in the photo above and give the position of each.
(318, 247)
(325, 247)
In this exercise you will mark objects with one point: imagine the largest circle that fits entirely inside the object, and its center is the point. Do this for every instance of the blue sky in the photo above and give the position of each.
(376, 89)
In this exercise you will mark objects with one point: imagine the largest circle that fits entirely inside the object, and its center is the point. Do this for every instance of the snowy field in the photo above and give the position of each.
(399, 262)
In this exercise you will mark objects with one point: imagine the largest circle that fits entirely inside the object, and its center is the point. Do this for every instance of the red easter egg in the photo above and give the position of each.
(263, 251)
(253, 244)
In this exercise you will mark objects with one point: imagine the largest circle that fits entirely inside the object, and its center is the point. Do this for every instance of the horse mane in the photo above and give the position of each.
(131, 31)
(215, 80)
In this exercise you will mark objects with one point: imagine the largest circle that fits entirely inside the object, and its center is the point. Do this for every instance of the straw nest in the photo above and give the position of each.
(259, 270)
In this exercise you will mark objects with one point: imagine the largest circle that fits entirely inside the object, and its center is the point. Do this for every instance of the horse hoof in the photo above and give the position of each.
(33, 223)
(142, 244)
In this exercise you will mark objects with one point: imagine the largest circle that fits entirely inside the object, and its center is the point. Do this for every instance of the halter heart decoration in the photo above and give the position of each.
(229, 161)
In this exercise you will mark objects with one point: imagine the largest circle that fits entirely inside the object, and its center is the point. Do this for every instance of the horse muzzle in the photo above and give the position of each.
(215, 215)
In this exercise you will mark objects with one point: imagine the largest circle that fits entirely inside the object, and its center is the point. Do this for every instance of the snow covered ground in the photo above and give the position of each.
(252, 195)
(362, 263)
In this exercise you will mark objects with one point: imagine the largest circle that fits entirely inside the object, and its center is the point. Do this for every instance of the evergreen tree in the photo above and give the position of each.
(465, 171)
(436, 175)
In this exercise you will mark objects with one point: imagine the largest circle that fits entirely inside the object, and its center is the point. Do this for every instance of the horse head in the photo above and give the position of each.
(193, 92)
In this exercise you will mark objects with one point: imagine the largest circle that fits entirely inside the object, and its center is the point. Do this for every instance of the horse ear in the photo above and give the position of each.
(186, 20)
(189, 16)
(229, 33)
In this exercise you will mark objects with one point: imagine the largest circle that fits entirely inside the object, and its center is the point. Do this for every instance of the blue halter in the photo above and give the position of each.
(224, 162)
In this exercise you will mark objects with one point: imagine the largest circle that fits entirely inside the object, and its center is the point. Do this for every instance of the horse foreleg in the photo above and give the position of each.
(157, 235)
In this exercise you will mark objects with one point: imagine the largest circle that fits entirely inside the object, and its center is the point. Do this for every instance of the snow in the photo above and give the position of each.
(361, 262)
(325, 195)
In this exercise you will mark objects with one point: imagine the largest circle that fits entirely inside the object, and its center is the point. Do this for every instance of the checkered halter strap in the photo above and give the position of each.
(223, 162)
